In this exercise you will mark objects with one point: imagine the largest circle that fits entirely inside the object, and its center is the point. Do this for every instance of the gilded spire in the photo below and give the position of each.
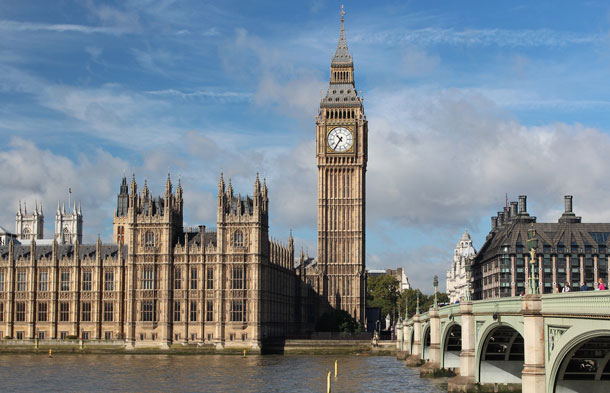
(342, 55)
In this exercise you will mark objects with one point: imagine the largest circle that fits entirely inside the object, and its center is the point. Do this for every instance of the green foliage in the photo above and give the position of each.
(425, 301)
(337, 321)
(383, 292)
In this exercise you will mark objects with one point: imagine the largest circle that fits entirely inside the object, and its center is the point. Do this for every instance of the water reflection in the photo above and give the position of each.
(207, 373)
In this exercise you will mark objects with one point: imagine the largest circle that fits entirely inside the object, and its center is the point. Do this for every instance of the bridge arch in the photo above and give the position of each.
(582, 364)
(451, 345)
(500, 354)
(425, 342)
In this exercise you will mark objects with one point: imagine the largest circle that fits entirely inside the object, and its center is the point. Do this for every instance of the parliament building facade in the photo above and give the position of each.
(161, 283)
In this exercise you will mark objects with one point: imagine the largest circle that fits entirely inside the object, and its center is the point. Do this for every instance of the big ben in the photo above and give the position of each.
(341, 151)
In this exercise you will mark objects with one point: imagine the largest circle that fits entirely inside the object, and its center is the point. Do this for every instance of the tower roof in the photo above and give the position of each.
(342, 56)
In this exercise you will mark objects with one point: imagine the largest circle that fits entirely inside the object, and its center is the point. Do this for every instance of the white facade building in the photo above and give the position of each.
(456, 276)
(29, 226)
(68, 226)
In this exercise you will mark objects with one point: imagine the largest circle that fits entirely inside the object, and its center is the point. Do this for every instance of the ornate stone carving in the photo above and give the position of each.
(554, 333)
(478, 326)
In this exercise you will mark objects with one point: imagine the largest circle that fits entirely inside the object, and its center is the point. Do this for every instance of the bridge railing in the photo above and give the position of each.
(577, 303)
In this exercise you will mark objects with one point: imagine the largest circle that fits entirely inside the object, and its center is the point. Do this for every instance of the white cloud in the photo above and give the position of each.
(417, 62)
(30, 173)
(15, 26)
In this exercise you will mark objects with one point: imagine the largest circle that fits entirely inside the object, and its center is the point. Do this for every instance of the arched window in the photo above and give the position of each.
(149, 239)
(238, 238)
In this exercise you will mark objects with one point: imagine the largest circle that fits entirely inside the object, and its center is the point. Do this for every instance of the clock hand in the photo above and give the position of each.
(339, 141)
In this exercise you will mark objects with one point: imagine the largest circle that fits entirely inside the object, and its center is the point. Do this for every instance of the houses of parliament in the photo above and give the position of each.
(161, 283)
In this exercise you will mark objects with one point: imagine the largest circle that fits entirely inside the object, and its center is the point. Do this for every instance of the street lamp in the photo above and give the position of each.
(532, 244)
(435, 282)
(467, 295)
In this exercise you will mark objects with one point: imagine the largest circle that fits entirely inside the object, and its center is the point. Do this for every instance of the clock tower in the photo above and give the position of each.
(341, 151)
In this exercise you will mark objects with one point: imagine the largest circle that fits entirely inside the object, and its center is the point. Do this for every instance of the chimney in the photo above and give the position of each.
(568, 203)
(522, 205)
(513, 209)
(568, 215)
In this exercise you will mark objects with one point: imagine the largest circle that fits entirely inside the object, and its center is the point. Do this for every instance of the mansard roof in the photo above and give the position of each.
(341, 95)
(560, 237)
(63, 251)
(194, 238)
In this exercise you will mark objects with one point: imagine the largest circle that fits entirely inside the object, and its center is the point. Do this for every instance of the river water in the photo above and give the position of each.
(209, 373)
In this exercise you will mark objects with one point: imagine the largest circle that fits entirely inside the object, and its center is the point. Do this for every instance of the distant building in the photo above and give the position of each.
(456, 276)
(6, 236)
(29, 226)
(568, 251)
(68, 226)
(398, 273)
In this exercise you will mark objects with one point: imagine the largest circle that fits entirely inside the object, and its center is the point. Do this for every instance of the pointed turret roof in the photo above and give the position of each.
(342, 55)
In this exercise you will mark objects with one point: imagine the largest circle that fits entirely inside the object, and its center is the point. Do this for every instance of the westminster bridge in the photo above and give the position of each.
(536, 343)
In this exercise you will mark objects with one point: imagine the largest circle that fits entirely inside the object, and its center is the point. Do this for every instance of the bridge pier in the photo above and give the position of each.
(434, 364)
(533, 374)
(415, 358)
(466, 380)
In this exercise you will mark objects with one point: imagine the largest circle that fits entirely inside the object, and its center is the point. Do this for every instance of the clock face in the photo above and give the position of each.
(340, 139)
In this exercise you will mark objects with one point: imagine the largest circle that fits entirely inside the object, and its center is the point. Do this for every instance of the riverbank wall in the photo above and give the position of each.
(287, 347)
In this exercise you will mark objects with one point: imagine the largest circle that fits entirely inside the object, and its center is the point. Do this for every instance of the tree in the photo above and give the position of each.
(383, 291)
(337, 321)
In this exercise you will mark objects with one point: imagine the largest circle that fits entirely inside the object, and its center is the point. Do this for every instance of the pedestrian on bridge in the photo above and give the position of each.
(583, 286)
(600, 284)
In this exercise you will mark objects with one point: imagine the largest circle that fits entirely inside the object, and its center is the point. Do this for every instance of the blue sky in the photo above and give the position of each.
(467, 102)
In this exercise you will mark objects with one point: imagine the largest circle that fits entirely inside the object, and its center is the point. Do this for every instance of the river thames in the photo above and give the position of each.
(209, 373)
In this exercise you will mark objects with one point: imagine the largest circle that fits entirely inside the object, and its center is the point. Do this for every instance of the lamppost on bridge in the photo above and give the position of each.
(435, 282)
(467, 296)
(532, 244)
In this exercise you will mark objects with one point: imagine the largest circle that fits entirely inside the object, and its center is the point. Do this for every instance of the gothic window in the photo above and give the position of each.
(65, 281)
(20, 311)
(26, 233)
(238, 311)
(238, 238)
(178, 278)
(86, 311)
(120, 238)
(64, 311)
(42, 312)
(237, 278)
(148, 311)
(210, 311)
(108, 311)
(21, 281)
(43, 281)
(86, 281)
(149, 239)
(193, 311)
(109, 281)
(176, 311)
(147, 278)
(210, 278)
(193, 278)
